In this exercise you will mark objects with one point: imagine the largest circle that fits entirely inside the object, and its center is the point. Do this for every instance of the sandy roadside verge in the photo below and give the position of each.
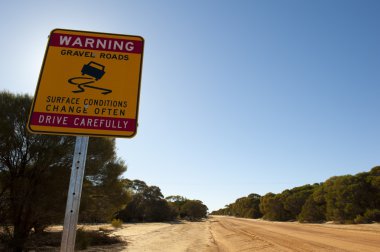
(179, 236)
(165, 237)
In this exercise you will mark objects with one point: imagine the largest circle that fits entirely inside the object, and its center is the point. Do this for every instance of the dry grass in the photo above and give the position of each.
(51, 240)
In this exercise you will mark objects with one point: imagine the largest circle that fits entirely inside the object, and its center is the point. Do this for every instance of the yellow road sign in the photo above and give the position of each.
(89, 85)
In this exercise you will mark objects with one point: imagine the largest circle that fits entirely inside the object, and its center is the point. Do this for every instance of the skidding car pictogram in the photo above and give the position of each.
(93, 69)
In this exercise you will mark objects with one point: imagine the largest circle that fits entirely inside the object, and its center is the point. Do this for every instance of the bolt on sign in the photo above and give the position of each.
(89, 85)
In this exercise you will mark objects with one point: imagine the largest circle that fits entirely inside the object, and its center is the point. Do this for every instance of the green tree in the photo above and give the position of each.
(295, 198)
(346, 197)
(104, 191)
(27, 165)
(372, 206)
(159, 210)
(373, 179)
(312, 211)
(221, 211)
(147, 204)
(254, 202)
(194, 210)
(272, 207)
(35, 170)
(176, 201)
(247, 207)
(135, 186)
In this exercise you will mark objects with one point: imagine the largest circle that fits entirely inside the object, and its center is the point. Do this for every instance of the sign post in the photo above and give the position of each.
(89, 85)
(74, 194)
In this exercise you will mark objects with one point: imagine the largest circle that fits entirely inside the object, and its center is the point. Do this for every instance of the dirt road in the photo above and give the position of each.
(234, 234)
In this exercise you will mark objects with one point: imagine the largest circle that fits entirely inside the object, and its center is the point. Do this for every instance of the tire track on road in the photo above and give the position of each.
(231, 238)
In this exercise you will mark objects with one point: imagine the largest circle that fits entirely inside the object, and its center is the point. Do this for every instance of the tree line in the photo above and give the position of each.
(148, 204)
(35, 173)
(341, 199)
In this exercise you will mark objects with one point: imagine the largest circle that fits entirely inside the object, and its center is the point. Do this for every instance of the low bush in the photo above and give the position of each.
(50, 240)
(117, 223)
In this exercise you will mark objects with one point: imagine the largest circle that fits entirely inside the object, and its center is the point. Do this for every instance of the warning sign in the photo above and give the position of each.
(89, 85)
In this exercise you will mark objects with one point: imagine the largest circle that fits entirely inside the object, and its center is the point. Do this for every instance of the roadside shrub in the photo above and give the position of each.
(83, 240)
(372, 215)
(360, 219)
(117, 223)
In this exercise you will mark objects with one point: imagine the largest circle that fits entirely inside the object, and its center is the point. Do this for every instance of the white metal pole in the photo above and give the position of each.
(74, 194)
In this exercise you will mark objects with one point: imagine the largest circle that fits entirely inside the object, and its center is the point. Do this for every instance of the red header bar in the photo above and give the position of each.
(96, 43)
(83, 122)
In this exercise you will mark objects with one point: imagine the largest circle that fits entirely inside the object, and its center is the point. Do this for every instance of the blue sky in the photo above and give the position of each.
(237, 97)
